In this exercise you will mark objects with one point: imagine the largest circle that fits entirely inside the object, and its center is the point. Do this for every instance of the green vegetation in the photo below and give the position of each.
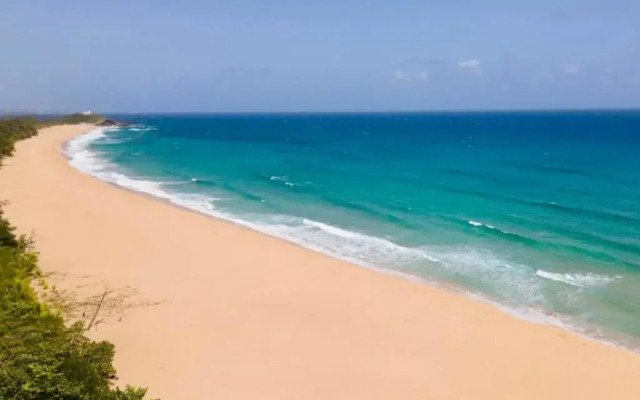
(14, 129)
(73, 119)
(40, 357)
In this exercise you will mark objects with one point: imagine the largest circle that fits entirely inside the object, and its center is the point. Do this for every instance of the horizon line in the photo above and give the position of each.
(284, 112)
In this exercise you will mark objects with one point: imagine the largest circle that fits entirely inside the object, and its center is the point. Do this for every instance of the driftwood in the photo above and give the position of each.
(107, 305)
(95, 314)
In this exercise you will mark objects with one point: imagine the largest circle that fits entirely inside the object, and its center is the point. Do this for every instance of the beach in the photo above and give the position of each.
(211, 309)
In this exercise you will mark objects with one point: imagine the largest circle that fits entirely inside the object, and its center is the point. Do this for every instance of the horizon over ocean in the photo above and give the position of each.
(137, 114)
(536, 211)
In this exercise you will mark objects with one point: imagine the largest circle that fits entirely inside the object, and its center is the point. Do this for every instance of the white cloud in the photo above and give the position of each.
(471, 65)
(400, 76)
(572, 69)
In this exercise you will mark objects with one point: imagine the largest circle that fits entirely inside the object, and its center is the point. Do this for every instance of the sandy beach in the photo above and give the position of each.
(211, 310)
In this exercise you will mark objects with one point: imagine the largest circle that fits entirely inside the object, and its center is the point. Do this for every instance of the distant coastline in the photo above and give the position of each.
(373, 112)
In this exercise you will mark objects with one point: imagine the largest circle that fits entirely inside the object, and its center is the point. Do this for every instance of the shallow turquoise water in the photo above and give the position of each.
(536, 211)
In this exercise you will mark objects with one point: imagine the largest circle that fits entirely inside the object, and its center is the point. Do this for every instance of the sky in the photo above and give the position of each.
(310, 55)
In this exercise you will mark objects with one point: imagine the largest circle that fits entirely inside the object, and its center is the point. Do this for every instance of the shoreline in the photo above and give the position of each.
(544, 317)
(248, 301)
(536, 315)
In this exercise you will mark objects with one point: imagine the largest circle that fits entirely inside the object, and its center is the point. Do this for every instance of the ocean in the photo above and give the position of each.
(536, 212)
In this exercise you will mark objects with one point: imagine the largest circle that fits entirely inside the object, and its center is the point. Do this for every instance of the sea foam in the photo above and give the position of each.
(582, 280)
(82, 158)
(478, 224)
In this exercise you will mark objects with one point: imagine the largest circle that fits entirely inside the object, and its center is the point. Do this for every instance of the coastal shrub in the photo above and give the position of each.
(40, 357)
(7, 237)
(12, 130)
(72, 119)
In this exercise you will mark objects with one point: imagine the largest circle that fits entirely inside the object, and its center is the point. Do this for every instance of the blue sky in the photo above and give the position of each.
(304, 55)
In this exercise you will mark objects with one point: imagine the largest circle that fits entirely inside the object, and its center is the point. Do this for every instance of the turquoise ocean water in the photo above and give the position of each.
(536, 212)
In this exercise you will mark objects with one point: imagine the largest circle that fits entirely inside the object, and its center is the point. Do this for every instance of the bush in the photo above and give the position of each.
(12, 130)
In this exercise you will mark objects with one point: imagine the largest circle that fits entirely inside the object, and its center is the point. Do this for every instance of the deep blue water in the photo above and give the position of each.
(539, 212)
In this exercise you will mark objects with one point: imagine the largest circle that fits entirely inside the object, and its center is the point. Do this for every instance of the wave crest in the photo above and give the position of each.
(477, 224)
(582, 280)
